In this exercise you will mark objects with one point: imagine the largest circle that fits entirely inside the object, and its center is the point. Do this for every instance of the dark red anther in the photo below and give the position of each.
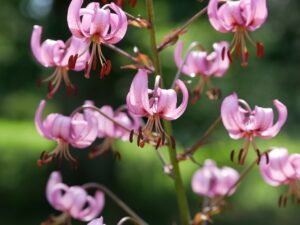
(132, 3)
(240, 156)
(104, 2)
(50, 86)
(131, 136)
(71, 90)
(108, 67)
(120, 3)
(260, 50)
(86, 68)
(258, 156)
(229, 56)
(163, 137)
(196, 96)
(267, 158)
(39, 163)
(245, 58)
(173, 142)
(102, 71)
(232, 156)
(72, 61)
(280, 201)
(223, 53)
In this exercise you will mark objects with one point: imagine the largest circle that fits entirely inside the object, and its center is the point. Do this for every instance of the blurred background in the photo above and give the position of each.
(138, 178)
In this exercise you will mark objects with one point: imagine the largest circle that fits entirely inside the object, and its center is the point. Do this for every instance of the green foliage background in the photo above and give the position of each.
(138, 178)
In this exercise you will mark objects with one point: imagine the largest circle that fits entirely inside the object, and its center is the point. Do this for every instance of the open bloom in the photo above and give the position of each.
(154, 104)
(107, 25)
(64, 56)
(212, 181)
(239, 17)
(73, 201)
(116, 125)
(98, 221)
(282, 169)
(204, 64)
(78, 130)
(243, 122)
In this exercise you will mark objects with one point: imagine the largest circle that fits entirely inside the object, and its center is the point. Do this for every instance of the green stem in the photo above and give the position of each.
(150, 11)
(181, 196)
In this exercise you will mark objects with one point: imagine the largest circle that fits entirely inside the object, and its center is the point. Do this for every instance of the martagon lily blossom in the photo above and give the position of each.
(243, 122)
(155, 104)
(98, 221)
(64, 56)
(282, 169)
(73, 202)
(105, 25)
(111, 129)
(239, 17)
(203, 64)
(80, 131)
(213, 182)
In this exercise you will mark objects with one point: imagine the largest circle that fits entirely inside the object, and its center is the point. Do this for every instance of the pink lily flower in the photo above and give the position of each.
(98, 221)
(203, 64)
(64, 56)
(280, 168)
(239, 17)
(79, 130)
(110, 129)
(242, 122)
(106, 25)
(73, 201)
(154, 104)
(212, 181)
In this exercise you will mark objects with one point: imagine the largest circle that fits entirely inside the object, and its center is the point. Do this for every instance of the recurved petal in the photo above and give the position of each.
(215, 21)
(177, 112)
(73, 18)
(97, 221)
(181, 65)
(36, 43)
(228, 177)
(260, 14)
(294, 161)
(219, 63)
(105, 126)
(263, 118)
(277, 171)
(137, 98)
(38, 121)
(167, 101)
(95, 206)
(232, 117)
(282, 116)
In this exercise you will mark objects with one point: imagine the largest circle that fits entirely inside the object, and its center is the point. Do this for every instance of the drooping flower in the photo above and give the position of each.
(79, 130)
(212, 181)
(203, 64)
(98, 221)
(239, 17)
(242, 122)
(64, 56)
(73, 202)
(155, 104)
(111, 129)
(105, 25)
(121, 3)
(282, 169)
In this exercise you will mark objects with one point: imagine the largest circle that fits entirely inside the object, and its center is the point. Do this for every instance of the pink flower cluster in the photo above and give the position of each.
(106, 25)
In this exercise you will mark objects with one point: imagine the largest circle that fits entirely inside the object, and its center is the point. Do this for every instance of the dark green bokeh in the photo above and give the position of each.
(138, 178)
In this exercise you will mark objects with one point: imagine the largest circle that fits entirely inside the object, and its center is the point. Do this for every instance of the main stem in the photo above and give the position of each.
(181, 196)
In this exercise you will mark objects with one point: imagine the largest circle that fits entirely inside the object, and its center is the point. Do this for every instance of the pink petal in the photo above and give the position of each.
(218, 65)
(176, 113)
(38, 121)
(282, 116)
(230, 15)
(260, 14)
(232, 118)
(96, 221)
(105, 126)
(215, 21)
(228, 178)
(137, 98)
(36, 43)
(263, 118)
(167, 101)
(95, 206)
(75, 200)
(73, 18)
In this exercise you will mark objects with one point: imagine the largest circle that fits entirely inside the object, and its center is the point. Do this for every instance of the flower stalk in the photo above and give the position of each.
(181, 196)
